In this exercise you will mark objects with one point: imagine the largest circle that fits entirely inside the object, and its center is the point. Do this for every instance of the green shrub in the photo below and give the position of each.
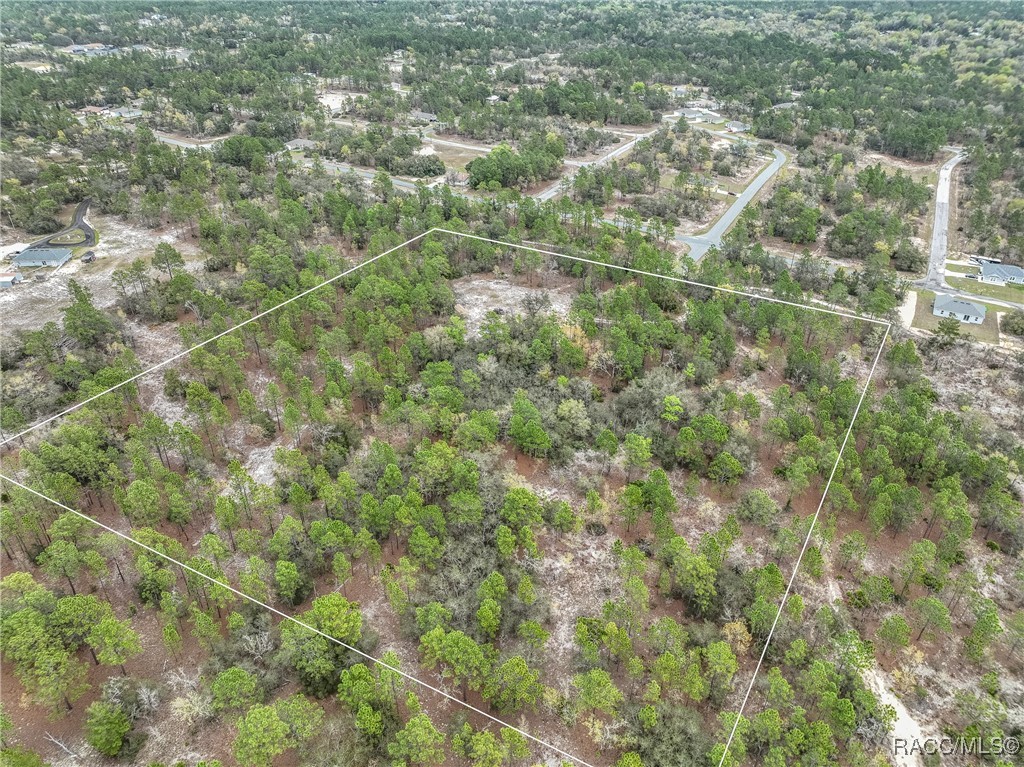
(106, 726)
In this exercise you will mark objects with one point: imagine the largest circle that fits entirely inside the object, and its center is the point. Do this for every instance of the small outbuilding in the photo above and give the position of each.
(10, 279)
(958, 308)
(53, 257)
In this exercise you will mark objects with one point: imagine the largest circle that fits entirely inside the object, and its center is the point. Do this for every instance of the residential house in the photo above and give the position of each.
(966, 311)
(300, 144)
(44, 256)
(735, 126)
(126, 113)
(427, 117)
(1001, 274)
(703, 103)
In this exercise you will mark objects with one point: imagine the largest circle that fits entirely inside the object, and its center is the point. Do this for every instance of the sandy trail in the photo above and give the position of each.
(905, 727)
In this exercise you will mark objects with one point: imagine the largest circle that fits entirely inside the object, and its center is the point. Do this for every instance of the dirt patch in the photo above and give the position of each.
(907, 309)
(453, 157)
(578, 574)
(872, 158)
(905, 726)
(475, 296)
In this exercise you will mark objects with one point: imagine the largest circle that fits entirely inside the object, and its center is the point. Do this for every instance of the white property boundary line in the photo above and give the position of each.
(361, 264)
(803, 549)
(286, 616)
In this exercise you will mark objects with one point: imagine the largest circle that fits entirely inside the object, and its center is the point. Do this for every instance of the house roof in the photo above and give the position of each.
(301, 143)
(737, 125)
(42, 254)
(947, 303)
(1002, 271)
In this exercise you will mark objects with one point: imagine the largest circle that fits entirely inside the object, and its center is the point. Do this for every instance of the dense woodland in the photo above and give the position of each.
(580, 517)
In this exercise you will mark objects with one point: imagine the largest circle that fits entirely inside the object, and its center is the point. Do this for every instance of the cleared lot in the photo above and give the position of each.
(31, 304)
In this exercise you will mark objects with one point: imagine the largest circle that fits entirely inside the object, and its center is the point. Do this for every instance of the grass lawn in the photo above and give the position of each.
(1003, 292)
(74, 237)
(961, 269)
(988, 331)
(455, 158)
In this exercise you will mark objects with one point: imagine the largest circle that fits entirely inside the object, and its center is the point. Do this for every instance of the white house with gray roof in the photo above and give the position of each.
(299, 144)
(958, 308)
(1001, 274)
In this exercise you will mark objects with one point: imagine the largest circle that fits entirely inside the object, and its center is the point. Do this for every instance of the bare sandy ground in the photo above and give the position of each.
(906, 311)
(30, 304)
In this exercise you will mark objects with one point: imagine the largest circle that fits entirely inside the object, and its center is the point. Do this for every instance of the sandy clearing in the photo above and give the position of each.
(260, 463)
(579, 575)
(905, 726)
(907, 309)
(476, 296)
(31, 304)
(11, 248)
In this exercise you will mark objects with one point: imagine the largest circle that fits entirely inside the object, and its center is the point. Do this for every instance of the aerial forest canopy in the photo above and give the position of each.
(723, 440)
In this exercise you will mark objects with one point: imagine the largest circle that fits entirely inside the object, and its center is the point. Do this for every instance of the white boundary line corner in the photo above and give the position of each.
(521, 246)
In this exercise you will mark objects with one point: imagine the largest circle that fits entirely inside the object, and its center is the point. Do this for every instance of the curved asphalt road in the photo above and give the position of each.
(77, 222)
(549, 192)
(699, 245)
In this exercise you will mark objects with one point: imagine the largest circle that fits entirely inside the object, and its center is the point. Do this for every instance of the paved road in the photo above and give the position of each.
(936, 276)
(78, 222)
(935, 279)
(482, 149)
(364, 173)
(566, 178)
(701, 244)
